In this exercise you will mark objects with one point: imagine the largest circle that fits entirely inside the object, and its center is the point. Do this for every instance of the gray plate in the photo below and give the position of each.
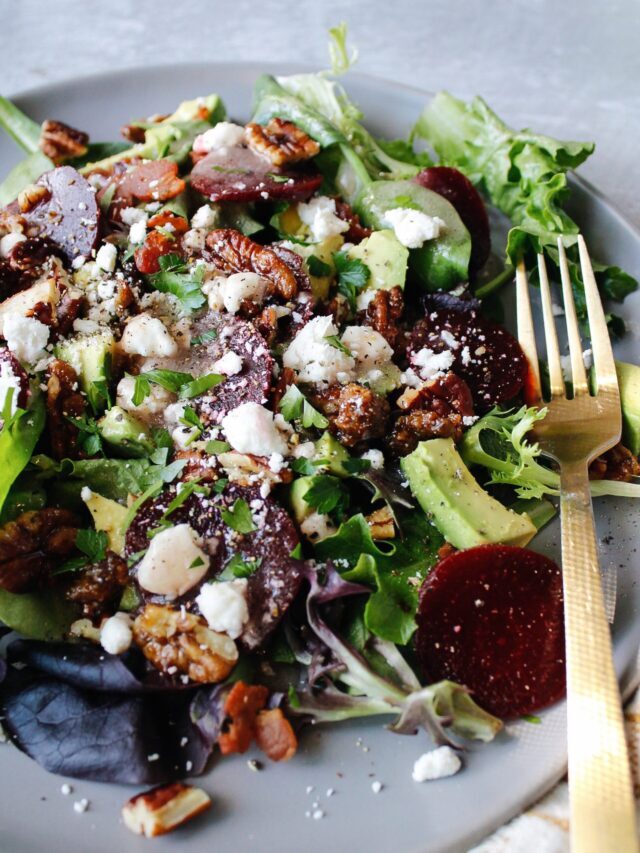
(266, 810)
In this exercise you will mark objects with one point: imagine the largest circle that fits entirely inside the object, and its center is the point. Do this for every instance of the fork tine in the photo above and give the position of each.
(556, 379)
(604, 366)
(578, 373)
(526, 335)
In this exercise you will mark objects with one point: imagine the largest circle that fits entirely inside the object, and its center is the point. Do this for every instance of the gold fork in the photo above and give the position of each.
(574, 432)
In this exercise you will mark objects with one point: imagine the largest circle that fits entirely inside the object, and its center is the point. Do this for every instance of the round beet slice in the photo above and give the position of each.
(491, 618)
(275, 583)
(68, 213)
(458, 189)
(486, 355)
(240, 174)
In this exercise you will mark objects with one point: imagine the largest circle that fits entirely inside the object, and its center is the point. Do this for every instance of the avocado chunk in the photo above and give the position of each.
(462, 511)
(330, 449)
(323, 252)
(125, 433)
(91, 357)
(299, 507)
(109, 516)
(386, 258)
(629, 383)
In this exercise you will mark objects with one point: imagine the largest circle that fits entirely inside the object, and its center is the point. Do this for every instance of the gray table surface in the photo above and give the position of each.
(570, 68)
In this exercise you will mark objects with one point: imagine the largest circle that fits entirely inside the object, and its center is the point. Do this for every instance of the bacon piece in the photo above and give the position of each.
(275, 736)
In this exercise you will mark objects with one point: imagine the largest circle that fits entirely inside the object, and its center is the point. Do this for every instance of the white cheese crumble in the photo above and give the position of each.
(8, 382)
(225, 134)
(26, 337)
(312, 356)
(364, 298)
(154, 404)
(106, 257)
(138, 232)
(430, 364)
(368, 347)
(317, 526)
(376, 787)
(319, 215)
(131, 215)
(115, 634)
(230, 292)
(413, 227)
(174, 562)
(8, 242)
(147, 335)
(85, 327)
(376, 457)
(204, 217)
(436, 764)
(81, 805)
(250, 428)
(194, 239)
(229, 364)
(224, 605)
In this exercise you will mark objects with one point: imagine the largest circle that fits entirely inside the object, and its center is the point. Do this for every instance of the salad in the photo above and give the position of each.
(264, 444)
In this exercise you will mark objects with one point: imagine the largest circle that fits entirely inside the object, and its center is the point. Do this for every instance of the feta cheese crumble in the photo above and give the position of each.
(115, 634)
(225, 134)
(313, 358)
(204, 217)
(229, 292)
(224, 605)
(148, 336)
(26, 337)
(250, 428)
(154, 404)
(430, 364)
(106, 257)
(376, 457)
(319, 215)
(229, 364)
(437, 764)
(138, 232)
(413, 227)
(174, 562)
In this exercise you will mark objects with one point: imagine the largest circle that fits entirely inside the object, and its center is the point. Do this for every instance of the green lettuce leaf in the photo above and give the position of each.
(38, 615)
(18, 439)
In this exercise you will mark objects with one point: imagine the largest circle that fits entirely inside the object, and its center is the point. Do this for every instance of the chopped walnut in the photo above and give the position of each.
(437, 410)
(232, 252)
(619, 463)
(275, 736)
(60, 142)
(384, 312)
(355, 413)
(64, 400)
(33, 544)
(32, 195)
(175, 638)
(163, 809)
(99, 587)
(281, 141)
(381, 524)
(241, 708)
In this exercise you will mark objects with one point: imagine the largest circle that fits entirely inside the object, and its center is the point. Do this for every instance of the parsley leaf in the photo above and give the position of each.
(295, 406)
(204, 338)
(93, 544)
(327, 494)
(239, 517)
(191, 419)
(241, 567)
(175, 278)
(200, 385)
(220, 485)
(215, 446)
(170, 380)
(89, 437)
(336, 343)
(197, 563)
(308, 467)
(353, 275)
(141, 388)
(186, 490)
(356, 466)
(317, 267)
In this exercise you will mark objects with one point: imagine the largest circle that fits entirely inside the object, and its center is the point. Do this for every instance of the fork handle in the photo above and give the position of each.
(601, 798)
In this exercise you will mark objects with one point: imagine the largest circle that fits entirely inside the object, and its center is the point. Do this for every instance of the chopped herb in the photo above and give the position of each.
(308, 467)
(327, 494)
(407, 202)
(98, 395)
(150, 492)
(171, 471)
(200, 385)
(239, 517)
(220, 485)
(170, 380)
(93, 544)
(226, 170)
(215, 446)
(356, 466)
(336, 343)
(89, 437)
(191, 419)
(292, 697)
(162, 438)
(296, 554)
(531, 718)
(197, 563)
(186, 490)
(353, 275)
(295, 406)
(175, 278)
(278, 179)
(318, 267)
(141, 388)
(133, 558)
(204, 338)
(241, 567)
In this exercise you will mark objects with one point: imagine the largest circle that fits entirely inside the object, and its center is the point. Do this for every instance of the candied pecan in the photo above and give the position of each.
(33, 544)
(63, 401)
(275, 736)
(437, 410)
(267, 324)
(241, 708)
(132, 133)
(43, 312)
(384, 312)
(355, 413)
(287, 377)
(619, 463)
(232, 252)
(281, 141)
(381, 523)
(32, 195)
(60, 142)
(98, 588)
(357, 231)
(125, 297)
(178, 641)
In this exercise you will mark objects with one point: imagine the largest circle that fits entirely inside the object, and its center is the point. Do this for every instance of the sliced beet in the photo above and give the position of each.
(460, 192)
(271, 588)
(155, 180)
(68, 214)
(491, 618)
(486, 356)
(240, 174)
(11, 368)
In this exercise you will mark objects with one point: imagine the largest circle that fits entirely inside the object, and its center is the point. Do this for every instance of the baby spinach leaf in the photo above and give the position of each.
(38, 615)
(18, 438)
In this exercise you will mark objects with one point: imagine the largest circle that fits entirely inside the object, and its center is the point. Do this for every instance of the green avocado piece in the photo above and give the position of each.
(386, 258)
(629, 383)
(441, 263)
(299, 507)
(462, 511)
(90, 356)
(330, 449)
(125, 432)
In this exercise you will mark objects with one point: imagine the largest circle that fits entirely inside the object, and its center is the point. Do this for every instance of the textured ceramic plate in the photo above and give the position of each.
(267, 810)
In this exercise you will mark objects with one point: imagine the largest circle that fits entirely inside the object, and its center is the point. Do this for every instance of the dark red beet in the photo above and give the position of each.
(487, 357)
(458, 189)
(68, 215)
(491, 618)
(156, 180)
(10, 364)
(240, 174)
(271, 588)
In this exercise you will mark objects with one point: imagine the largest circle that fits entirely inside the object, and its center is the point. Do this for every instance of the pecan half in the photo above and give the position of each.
(437, 410)
(164, 808)
(355, 413)
(357, 231)
(32, 195)
(98, 588)
(232, 252)
(241, 708)
(384, 312)
(282, 142)
(32, 545)
(178, 641)
(64, 400)
(60, 142)
(619, 463)
(381, 524)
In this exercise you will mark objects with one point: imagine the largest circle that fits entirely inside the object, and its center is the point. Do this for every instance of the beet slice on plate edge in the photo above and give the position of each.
(486, 355)
(240, 174)
(491, 618)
